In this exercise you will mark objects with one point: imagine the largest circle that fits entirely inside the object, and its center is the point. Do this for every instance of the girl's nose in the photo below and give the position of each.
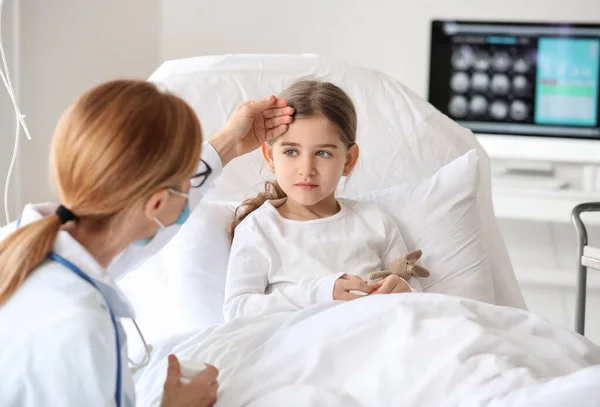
(307, 168)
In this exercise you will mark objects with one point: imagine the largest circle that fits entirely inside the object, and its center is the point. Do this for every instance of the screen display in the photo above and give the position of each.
(517, 78)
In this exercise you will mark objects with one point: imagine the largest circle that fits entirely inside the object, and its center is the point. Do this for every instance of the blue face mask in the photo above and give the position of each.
(181, 219)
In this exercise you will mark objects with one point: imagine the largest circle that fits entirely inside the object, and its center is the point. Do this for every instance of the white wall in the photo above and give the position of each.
(7, 121)
(66, 47)
(389, 35)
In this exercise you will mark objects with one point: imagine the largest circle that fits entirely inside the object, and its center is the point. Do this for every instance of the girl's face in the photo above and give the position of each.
(309, 160)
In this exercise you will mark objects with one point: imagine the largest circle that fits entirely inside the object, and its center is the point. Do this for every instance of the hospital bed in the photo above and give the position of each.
(468, 340)
(588, 258)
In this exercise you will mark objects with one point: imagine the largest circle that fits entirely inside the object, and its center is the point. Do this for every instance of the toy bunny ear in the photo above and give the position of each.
(414, 255)
(421, 271)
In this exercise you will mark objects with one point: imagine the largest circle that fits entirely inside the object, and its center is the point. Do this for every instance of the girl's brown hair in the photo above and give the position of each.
(308, 98)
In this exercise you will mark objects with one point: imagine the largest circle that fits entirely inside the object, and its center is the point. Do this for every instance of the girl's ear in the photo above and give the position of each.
(351, 160)
(267, 153)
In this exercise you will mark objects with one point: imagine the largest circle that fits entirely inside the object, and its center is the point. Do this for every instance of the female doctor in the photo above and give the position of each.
(125, 161)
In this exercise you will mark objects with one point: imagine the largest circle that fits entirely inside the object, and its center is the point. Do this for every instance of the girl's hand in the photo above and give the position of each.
(346, 283)
(391, 284)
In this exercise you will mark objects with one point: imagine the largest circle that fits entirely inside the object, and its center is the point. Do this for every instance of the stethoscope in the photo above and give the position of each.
(147, 348)
(147, 351)
(134, 367)
(85, 277)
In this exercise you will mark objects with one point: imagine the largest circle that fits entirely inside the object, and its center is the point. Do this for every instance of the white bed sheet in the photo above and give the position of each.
(414, 350)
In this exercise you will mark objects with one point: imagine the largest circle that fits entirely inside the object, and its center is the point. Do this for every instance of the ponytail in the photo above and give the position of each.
(272, 191)
(23, 250)
(133, 124)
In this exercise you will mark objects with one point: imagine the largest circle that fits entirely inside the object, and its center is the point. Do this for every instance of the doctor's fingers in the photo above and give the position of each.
(207, 376)
(173, 373)
(276, 132)
(277, 121)
(252, 108)
(278, 111)
(206, 384)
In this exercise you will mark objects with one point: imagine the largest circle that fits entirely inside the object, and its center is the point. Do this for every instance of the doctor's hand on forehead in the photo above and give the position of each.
(250, 125)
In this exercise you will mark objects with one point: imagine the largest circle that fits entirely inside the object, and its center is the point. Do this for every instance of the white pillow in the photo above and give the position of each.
(439, 216)
(196, 262)
(182, 287)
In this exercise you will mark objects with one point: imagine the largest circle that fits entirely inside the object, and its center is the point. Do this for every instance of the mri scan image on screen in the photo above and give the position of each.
(517, 78)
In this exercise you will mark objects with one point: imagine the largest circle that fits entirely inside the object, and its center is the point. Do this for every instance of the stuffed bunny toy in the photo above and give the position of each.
(404, 267)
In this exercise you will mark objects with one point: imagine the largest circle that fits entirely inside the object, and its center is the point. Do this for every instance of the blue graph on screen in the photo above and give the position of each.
(567, 81)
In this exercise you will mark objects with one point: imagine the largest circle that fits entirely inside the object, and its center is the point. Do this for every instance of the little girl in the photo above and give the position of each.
(296, 244)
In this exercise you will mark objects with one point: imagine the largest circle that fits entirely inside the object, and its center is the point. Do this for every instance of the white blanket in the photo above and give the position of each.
(390, 350)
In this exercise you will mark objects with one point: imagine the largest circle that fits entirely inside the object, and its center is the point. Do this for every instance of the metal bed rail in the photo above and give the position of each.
(582, 267)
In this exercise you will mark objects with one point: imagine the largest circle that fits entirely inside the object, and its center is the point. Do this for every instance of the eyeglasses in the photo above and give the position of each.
(200, 178)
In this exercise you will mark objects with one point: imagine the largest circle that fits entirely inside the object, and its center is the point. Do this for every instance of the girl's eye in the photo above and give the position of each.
(291, 153)
(324, 154)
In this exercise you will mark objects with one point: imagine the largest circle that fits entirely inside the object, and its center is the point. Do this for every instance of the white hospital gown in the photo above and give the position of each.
(278, 264)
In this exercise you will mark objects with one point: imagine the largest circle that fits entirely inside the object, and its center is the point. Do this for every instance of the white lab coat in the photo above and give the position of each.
(57, 340)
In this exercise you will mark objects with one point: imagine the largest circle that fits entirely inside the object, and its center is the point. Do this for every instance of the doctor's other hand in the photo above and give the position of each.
(200, 392)
(391, 284)
(346, 283)
(252, 123)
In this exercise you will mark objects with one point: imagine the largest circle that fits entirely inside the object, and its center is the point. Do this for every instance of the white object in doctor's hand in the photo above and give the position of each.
(198, 388)
(190, 369)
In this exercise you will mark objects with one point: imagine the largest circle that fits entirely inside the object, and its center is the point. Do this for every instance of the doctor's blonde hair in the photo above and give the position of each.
(119, 143)
(309, 98)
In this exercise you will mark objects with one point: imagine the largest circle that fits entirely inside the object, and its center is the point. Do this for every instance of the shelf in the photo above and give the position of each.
(542, 205)
(555, 277)
(591, 257)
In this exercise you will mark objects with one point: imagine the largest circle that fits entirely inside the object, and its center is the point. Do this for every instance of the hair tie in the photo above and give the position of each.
(65, 214)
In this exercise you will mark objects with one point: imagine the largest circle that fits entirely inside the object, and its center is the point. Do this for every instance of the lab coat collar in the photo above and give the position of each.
(71, 250)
